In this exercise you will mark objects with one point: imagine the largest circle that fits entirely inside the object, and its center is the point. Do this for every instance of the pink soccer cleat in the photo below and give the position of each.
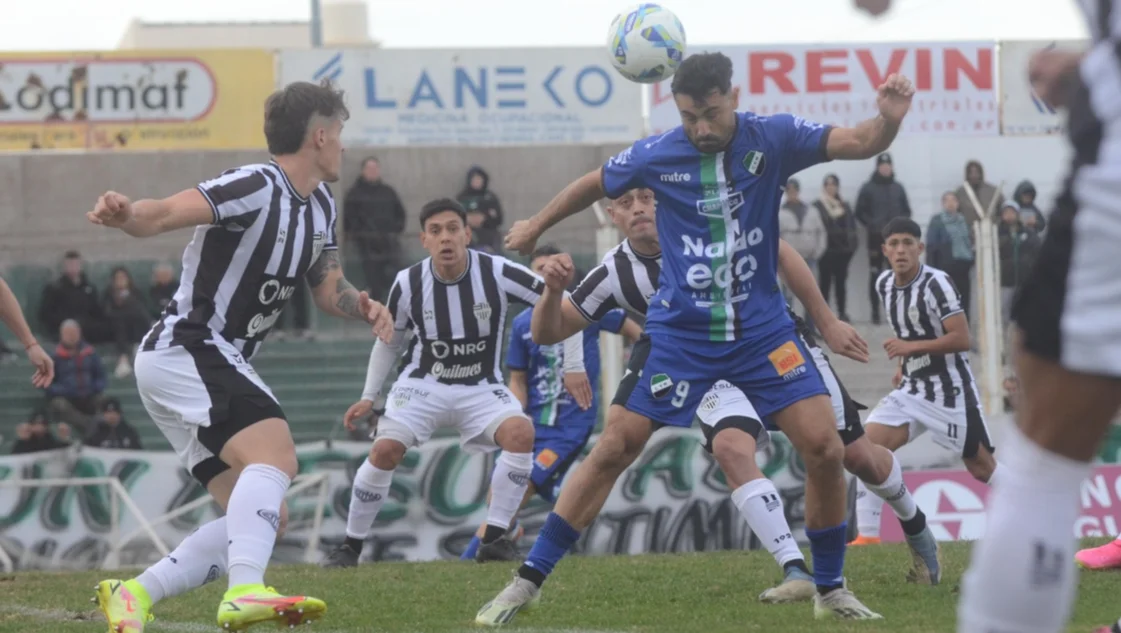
(1107, 556)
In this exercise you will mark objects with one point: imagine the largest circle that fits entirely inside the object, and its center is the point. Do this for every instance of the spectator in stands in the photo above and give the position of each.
(110, 430)
(985, 192)
(373, 219)
(72, 296)
(484, 211)
(1019, 247)
(80, 378)
(802, 228)
(842, 240)
(880, 200)
(949, 246)
(1025, 197)
(164, 285)
(35, 435)
(128, 317)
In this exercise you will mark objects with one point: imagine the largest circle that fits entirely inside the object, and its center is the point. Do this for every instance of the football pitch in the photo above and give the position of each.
(681, 593)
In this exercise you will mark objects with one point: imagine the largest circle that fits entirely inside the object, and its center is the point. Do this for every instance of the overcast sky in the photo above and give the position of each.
(98, 24)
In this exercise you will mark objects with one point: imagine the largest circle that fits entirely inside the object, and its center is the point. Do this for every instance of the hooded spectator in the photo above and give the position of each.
(1019, 247)
(986, 192)
(484, 211)
(1025, 197)
(110, 430)
(35, 435)
(880, 200)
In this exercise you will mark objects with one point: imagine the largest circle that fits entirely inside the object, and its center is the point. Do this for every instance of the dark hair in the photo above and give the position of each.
(833, 178)
(547, 250)
(974, 163)
(72, 255)
(289, 111)
(793, 182)
(440, 205)
(370, 159)
(702, 73)
(903, 225)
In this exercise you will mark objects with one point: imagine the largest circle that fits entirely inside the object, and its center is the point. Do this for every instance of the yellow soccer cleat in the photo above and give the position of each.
(246, 605)
(125, 605)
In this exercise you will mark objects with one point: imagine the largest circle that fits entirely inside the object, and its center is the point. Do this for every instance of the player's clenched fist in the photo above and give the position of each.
(112, 210)
(522, 237)
(559, 272)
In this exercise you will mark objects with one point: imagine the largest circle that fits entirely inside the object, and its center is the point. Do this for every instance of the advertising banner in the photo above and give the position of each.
(533, 96)
(151, 100)
(954, 503)
(673, 499)
(837, 83)
(1022, 112)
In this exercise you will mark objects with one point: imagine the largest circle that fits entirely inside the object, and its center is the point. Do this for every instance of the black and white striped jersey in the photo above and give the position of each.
(916, 313)
(241, 270)
(625, 279)
(458, 327)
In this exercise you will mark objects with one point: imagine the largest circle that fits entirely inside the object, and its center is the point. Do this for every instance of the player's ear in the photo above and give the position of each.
(735, 96)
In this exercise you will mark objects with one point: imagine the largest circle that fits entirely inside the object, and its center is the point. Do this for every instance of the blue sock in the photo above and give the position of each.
(827, 549)
(472, 547)
(553, 542)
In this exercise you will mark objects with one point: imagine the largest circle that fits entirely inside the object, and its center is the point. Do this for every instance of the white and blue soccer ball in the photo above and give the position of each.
(647, 43)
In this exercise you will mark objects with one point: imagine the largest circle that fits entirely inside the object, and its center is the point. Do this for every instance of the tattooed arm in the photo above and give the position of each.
(333, 293)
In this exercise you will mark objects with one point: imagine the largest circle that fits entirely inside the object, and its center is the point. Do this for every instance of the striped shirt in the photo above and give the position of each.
(241, 270)
(458, 326)
(917, 312)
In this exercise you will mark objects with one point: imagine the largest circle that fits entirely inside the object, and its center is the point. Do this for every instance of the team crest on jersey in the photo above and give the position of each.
(660, 385)
(482, 311)
(913, 314)
(755, 162)
(709, 402)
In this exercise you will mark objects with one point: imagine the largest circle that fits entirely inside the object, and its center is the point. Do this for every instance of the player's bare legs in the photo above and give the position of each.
(1020, 578)
(624, 436)
(811, 426)
(868, 505)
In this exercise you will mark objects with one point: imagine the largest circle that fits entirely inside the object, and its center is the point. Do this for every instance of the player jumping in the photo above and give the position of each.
(718, 313)
(449, 317)
(934, 386)
(562, 423)
(259, 231)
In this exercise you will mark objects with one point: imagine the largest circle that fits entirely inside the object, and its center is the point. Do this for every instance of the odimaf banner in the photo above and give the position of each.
(151, 100)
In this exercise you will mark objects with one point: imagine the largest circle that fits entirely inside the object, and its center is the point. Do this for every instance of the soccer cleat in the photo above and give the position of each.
(865, 540)
(502, 549)
(842, 605)
(519, 594)
(125, 605)
(341, 556)
(926, 556)
(246, 605)
(1107, 556)
(797, 586)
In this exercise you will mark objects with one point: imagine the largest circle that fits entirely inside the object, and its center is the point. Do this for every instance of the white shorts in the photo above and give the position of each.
(961, 430)
(199, 397)
(724, 402)
(415, 408)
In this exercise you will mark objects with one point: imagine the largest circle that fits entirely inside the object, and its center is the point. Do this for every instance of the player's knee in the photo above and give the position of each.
(861, 460)
(613, 451)
(386, 454)
(823, 450)
(515, 435)
(734, 451)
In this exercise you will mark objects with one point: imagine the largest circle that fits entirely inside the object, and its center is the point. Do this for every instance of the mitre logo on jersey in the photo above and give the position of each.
(482, 311)
(676, 177)
(755, 162)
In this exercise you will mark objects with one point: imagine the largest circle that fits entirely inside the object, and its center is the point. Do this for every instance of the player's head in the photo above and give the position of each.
(903, 245)
(633, 214)
(539, 257)
(444, 231)
(706, 100)
(306, 118)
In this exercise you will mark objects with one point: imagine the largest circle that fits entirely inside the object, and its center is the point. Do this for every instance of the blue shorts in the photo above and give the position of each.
(555, 449)
(667, 377)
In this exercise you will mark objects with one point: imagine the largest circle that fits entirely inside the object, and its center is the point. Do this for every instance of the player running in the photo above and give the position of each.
(934, 386)
(1068, 358)
(562, 424)
(449, 317)
(718, 313)
(259, 231)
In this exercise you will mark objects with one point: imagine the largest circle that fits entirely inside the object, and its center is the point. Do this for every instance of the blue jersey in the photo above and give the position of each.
(717, 222)
(549, 403)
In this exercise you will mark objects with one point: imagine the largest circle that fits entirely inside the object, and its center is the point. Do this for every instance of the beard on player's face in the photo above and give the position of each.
(709, 122)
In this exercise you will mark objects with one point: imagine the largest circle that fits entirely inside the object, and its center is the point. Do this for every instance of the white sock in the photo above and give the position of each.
(507, 487)
(894, 492)
(761, 506)
(868, 510)
(370, 489)
(252, 518)
(1022, 576)
(199, 559)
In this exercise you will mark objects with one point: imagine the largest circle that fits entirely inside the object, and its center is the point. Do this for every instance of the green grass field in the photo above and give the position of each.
(701, 593)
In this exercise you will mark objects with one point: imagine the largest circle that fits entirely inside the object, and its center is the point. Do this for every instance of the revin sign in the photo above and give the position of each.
(836, 84)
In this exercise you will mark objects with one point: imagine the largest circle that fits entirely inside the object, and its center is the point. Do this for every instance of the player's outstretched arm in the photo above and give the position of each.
(553, 319)
(336, 296)
(146, 218)
(579, 195)
(841, 337)
(874, 136)
(12, 316)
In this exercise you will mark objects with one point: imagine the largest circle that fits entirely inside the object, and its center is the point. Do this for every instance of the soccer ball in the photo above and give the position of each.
(647, 43)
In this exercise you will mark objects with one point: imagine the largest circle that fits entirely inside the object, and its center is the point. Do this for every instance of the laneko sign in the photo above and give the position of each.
(836, 84)
(141, 99)
(955, 503)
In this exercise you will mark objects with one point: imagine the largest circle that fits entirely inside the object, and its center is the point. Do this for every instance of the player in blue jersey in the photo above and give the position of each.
(718, 312)
(539, 379)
